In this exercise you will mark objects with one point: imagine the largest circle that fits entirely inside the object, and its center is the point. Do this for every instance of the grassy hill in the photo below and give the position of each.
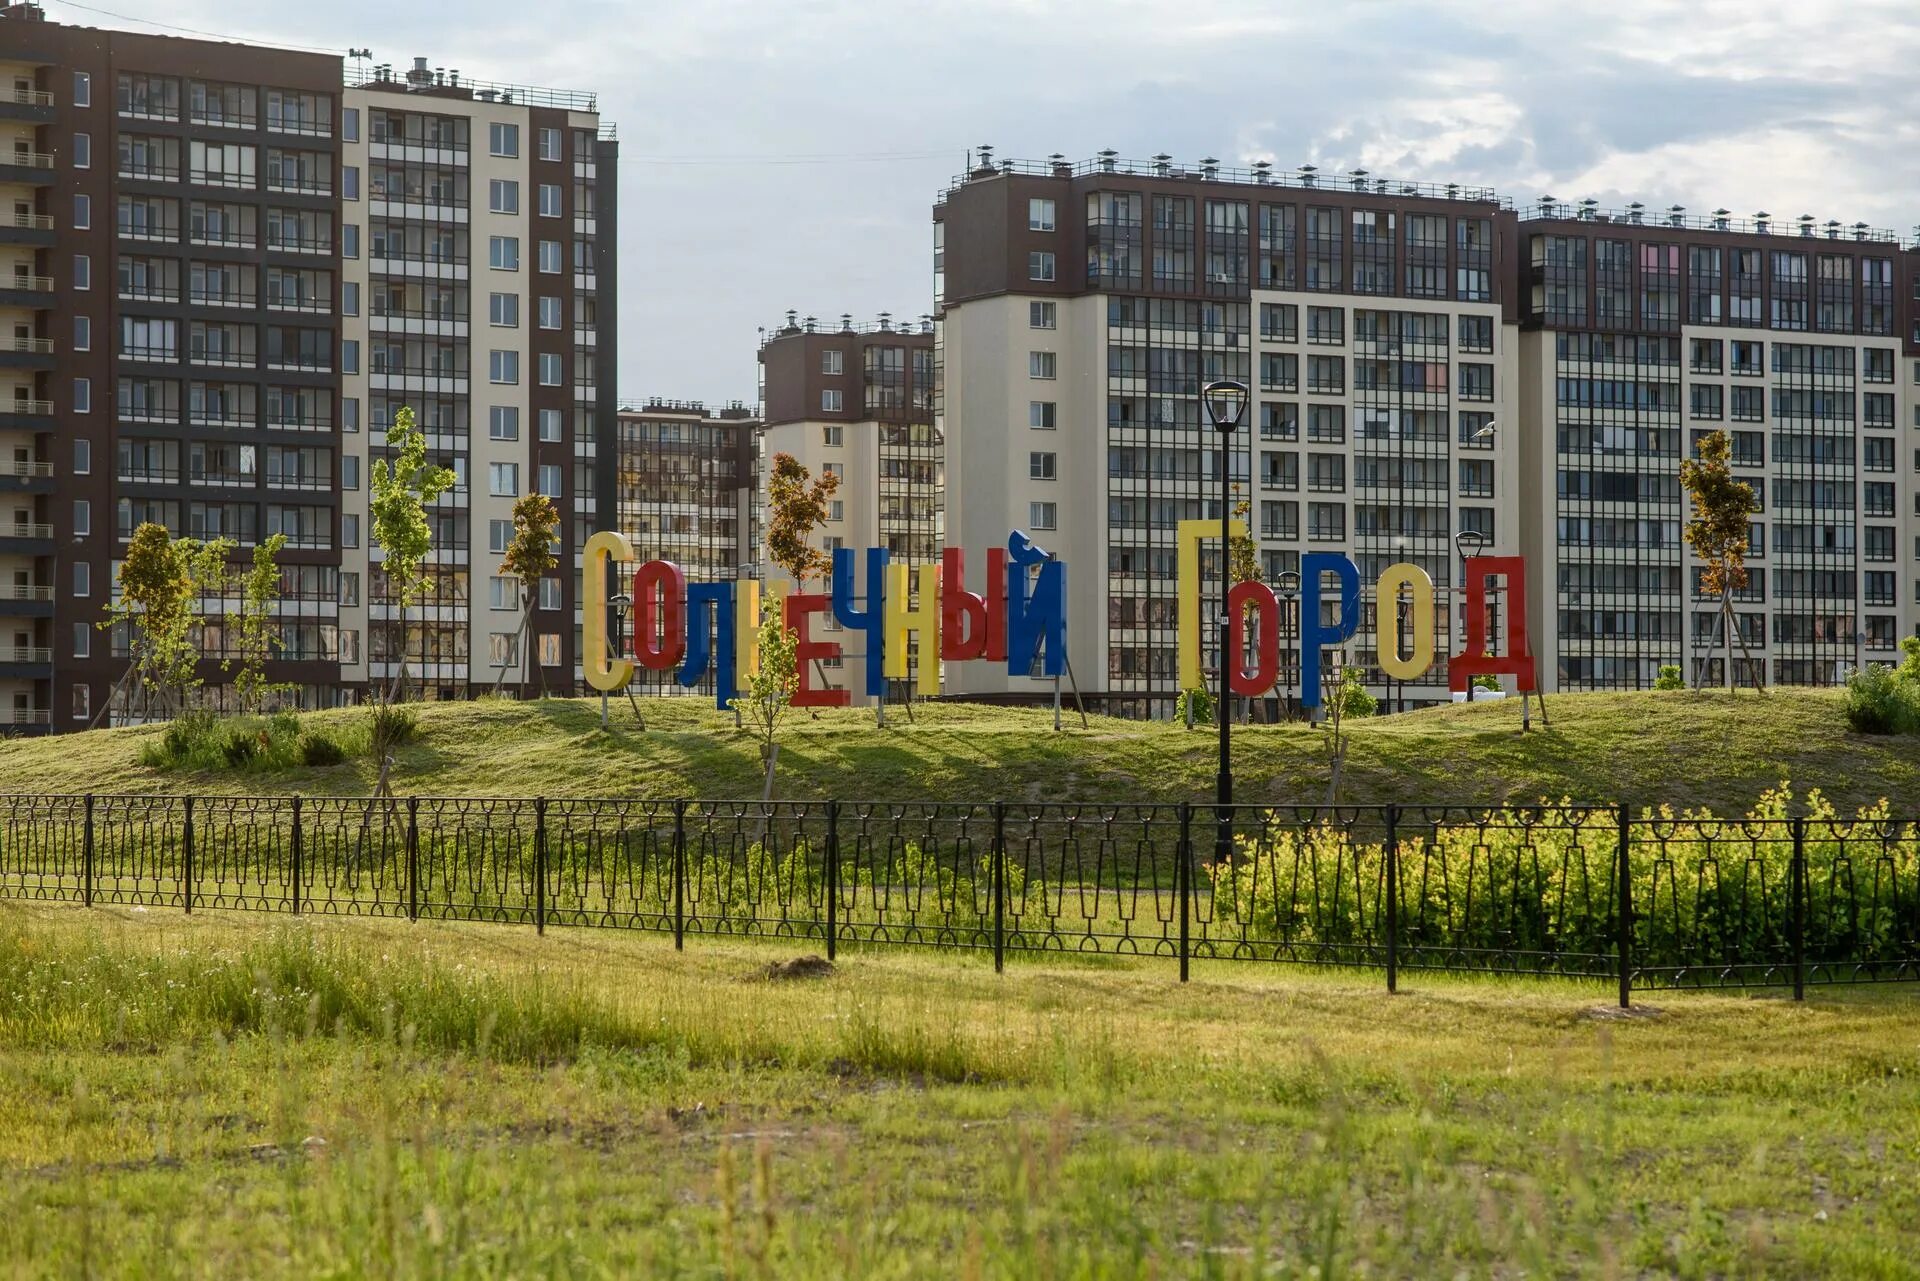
(1680, 748)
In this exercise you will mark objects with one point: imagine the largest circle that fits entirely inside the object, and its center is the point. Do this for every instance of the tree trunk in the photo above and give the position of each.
(1726, 621)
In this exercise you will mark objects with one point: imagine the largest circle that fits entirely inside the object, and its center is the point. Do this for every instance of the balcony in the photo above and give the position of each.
(34, 415)
(35, 105)
(26, 353)
(20, 290)
(27, 540)
(24, 720)
(25, 600)
(26, 229)
(32, 167)
(28, 477)
(32, 662)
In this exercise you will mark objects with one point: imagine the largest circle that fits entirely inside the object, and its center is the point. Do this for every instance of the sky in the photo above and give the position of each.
(786, 154)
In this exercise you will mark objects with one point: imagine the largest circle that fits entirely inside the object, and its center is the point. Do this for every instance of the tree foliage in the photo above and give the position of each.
(1717, 530)
(529, 558)
(1243, 561)
(256, 638)
(162, 581)
(401, 492)
(796, 506)
(771, 686)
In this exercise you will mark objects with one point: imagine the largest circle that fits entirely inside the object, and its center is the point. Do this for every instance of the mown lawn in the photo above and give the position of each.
(217, 1096)
(1684, 748)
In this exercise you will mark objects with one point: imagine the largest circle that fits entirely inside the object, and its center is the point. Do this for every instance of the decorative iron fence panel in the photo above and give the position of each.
(1587, 892)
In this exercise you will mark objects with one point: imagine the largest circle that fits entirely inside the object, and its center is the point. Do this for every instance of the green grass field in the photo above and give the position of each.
(1684, 748)
(224, 1096)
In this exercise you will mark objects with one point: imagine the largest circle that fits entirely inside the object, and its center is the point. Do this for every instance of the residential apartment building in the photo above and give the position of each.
(1423, 360)
(687, 492)
(478, 289)
(228, 267)
(857, 402)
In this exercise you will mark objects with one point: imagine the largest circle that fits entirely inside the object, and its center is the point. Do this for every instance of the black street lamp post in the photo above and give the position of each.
(617, 607)
(1469, 543)
(1226, 403)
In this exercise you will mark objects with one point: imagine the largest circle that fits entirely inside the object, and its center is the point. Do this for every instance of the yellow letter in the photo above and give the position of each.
(1386, 615)
(923, 621)
(746, 628)
(604, 672)
(1189, 534)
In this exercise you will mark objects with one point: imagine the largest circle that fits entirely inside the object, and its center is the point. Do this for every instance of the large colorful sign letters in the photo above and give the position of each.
(1020, 618)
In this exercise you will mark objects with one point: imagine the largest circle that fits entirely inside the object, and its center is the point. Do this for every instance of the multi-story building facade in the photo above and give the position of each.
(228, 269)
(1423, 360)
(687, 492)
(478, 290)
(857, 401)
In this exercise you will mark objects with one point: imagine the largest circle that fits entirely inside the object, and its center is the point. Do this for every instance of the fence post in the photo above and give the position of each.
(296, 856)
(679, 875)
(539, 865)
(999, 879)
(413, 858)
(186, 860)
(1623, 875)
(1183, 881)
(1393, 899)
(833, 879)
(1797, 899)
(86, 857)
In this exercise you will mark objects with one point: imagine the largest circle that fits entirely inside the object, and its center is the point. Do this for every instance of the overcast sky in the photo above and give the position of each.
(786, 153)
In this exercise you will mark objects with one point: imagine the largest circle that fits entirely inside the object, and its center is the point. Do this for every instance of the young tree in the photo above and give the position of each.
(257, 640)
(1717, 531)
(770, 689)
(529, 558)
(796, 506)
(162, 580)
(401, 493)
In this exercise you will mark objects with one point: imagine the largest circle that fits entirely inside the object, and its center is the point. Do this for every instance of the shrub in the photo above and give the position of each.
(241, 747)
(1670, 677)
(187, 741)
(1202, 703)
(1880, 702)
(1354, 699)
(318, 750)
(393, 726)
(1487, 682)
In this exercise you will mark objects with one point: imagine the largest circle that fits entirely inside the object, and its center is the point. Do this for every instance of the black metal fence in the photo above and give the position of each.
(1589, 892)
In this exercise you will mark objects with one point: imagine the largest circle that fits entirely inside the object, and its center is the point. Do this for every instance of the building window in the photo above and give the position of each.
(550, 144)
(1042, 315)
(82, 271)
(350, 415)
(549, 369)
(1041, 364)
(1040, 265)
(82, 213)
(503, 253)
(503, 196)
(349, 529)
(82, 517)
(502, 593)
(833, 436)
(82, 457)
(1476, 382)
(349, 297)
(503, 139)
(349, 240)
(1476, 333)
(832, 362)
(1043, 515)
(349, 472)
(1041, 414)
(83, 395)
(82, 89)
(550, 313)
(499, 535)
(1040, 466)
(350, 355)
(837, 510)
(82, 151)
(350, 124)
(503, 310)
(503, 367)
(503, 480)
(552, 262)
(349, 182)
(1041, 214)
(550, 593)
(830, 400)
(83, 333)
(550, 206)
(550, 425)
(82, 578)
(503, 422)
(552, 483)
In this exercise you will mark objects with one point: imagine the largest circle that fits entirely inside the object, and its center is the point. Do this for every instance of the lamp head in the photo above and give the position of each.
(1289, 583)
(1470, 543)
(1226, 403)
(622, 604)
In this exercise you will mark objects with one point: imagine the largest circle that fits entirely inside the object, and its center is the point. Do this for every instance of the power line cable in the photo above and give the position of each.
(196, 31)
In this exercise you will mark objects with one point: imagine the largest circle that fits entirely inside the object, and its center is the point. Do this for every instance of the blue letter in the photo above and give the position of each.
(1313, 634)
(1044, 618)
(694, 665)
(872, 620)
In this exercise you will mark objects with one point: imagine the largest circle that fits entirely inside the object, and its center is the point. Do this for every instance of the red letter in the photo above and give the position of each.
(806, 649)
(973, 626)
(1267, 640)
(1517, 662)
(659, 624)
